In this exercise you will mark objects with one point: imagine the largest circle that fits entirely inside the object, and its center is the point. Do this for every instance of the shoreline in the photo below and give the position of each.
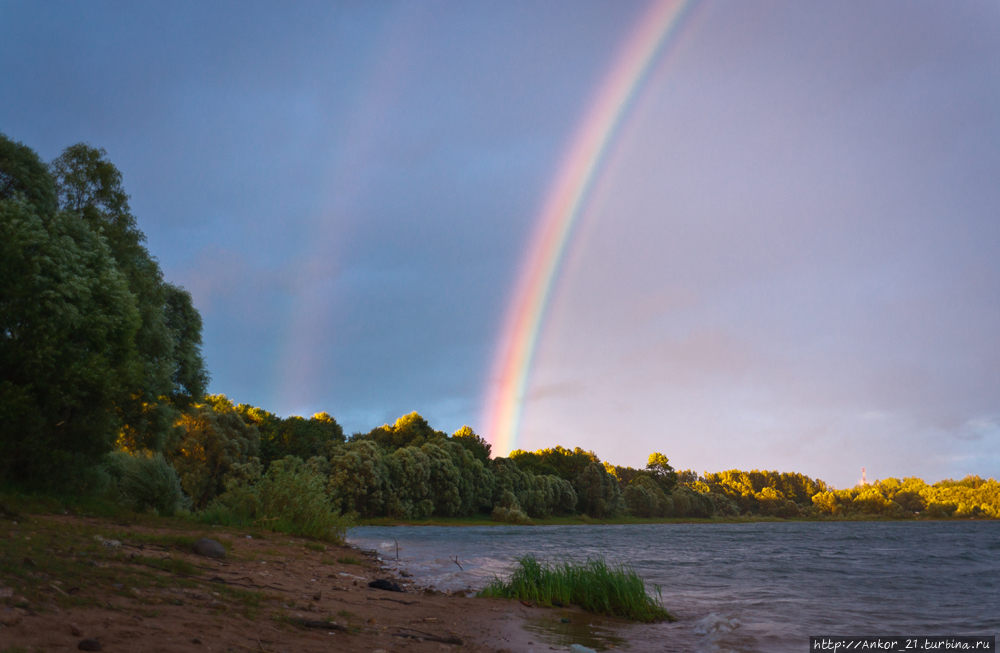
(134, 590)
(457, 522)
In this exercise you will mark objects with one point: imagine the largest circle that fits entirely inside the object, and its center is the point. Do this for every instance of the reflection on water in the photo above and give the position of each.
(746, 587)
(565, 627)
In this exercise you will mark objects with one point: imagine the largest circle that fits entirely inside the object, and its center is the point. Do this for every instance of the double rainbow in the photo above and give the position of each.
(561, 209)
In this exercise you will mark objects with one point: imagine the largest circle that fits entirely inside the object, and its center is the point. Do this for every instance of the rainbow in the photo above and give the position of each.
(555, 222)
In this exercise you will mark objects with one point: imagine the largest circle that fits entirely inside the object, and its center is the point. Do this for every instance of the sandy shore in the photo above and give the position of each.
(271, 593)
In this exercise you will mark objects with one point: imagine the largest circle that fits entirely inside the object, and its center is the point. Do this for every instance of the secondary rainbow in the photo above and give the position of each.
(560, 211)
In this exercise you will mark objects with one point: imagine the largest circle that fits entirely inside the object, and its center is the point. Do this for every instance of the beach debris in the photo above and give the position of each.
(455, 560)
(209, 548)
(579, 648)
(6, 592)
(383, 584)
(427, 637)
(89, 645)
(383, 598)
(315, 623)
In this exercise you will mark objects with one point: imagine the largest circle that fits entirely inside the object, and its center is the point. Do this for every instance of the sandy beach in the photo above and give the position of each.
(271, 593)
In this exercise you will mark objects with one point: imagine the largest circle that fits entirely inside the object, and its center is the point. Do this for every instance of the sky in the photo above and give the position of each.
(786, 257)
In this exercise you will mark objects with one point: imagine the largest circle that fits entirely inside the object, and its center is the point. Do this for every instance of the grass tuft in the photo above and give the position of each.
(593, 585)
(349, 560)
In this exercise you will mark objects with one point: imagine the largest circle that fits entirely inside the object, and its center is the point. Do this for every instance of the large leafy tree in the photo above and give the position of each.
(67, 344)
(168, 340)
(94, 345)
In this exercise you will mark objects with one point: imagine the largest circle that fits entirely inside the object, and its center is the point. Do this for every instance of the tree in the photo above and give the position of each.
(411, 496)
(359, 479)
(559, 461)
(410, 430)
(67, 353)
(24, 175)
(217, 446)
(168, 340)
(474, 443)
(659, 468)
(597, 492)
(645, 498)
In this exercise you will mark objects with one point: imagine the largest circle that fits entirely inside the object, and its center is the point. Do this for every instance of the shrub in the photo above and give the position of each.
(512, 515)
(290, 498)
(145, 482)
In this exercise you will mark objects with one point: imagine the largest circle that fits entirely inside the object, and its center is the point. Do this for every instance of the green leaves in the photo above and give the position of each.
(67, 350)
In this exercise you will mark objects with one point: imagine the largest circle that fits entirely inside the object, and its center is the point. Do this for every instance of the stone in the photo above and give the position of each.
(10, 619)
(383, 584)
(89, 645)
(75, 630)
(209, 548)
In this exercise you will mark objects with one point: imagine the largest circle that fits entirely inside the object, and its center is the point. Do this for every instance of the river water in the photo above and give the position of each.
(742, 587)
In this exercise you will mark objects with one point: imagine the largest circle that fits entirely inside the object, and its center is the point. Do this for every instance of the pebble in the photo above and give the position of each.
(89, 645)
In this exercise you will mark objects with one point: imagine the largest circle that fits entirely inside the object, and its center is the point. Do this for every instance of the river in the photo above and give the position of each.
(762, 586)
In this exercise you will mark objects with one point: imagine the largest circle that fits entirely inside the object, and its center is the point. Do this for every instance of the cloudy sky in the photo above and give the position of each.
(789, 256)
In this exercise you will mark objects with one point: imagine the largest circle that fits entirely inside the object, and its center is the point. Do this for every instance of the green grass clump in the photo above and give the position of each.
(593, 585)
(349, 560)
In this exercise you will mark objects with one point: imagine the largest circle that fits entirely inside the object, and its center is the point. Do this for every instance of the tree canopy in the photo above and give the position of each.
(94, 346)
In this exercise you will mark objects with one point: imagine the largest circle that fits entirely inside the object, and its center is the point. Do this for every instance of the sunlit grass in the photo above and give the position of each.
(593, 585)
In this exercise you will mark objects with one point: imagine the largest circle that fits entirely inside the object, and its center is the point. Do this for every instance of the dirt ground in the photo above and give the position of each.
(64, 579)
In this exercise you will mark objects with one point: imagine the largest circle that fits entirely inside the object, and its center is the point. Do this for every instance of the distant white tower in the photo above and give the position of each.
(864, 481)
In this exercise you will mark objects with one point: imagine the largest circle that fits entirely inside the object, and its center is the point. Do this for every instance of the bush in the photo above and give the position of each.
(290, 498)
(511, 515)
(592, 585)
(145, 482)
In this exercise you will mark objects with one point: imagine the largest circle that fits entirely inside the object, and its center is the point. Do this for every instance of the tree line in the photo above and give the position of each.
(103, 388)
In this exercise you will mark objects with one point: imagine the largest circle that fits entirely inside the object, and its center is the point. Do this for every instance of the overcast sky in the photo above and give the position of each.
(789, 258)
